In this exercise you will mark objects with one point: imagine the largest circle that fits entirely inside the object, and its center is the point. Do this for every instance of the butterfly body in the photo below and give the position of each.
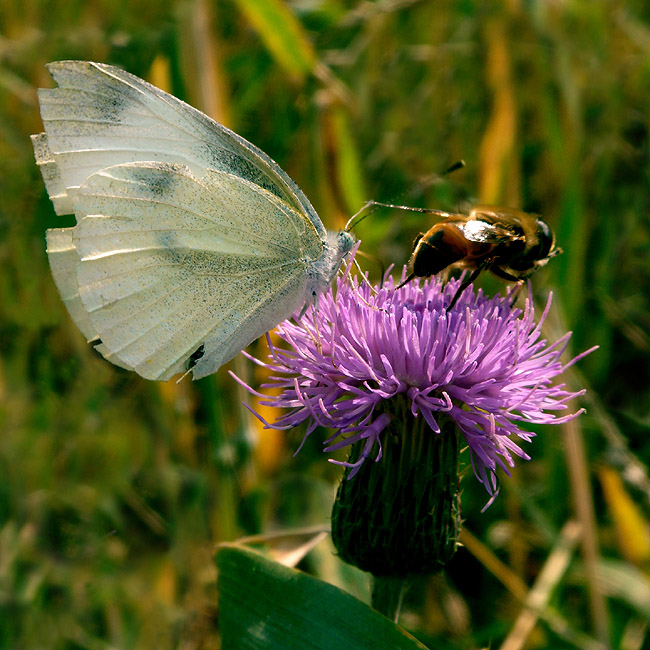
(190, 242)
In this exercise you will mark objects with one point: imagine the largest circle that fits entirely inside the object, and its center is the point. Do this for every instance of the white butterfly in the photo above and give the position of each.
(190, 242)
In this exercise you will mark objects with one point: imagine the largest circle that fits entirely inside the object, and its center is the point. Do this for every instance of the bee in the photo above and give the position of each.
(509, 243)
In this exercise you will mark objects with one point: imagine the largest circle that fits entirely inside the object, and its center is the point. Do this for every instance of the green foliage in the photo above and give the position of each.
(265, 605)
(113, 491)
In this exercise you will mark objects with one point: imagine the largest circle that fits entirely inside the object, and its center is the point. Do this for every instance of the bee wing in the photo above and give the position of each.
(101, 116)
(500, 213)
(164, 269)
(483, 228)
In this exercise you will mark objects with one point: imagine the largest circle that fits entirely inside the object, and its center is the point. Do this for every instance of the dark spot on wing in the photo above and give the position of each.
(233, 163)
(195, 356)
(176, 254)
(111, 106)
(159, 178)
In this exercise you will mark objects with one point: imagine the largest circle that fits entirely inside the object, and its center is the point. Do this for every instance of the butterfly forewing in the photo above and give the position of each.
(101, 116)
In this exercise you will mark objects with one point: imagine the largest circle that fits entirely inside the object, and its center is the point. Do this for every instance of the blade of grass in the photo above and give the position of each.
(282, 34)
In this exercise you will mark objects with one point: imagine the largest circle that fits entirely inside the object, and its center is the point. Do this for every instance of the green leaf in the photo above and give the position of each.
(263, 604)
(623, 581)
(349, 164)
(282, 34)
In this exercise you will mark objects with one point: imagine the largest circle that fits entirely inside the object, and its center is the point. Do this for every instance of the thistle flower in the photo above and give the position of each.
(482, 364)
(402, 379)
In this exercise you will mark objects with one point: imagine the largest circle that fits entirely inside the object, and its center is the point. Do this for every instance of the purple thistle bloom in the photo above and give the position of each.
(483, 364)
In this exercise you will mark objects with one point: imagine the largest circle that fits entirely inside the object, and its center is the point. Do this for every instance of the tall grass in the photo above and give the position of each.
(113, 491)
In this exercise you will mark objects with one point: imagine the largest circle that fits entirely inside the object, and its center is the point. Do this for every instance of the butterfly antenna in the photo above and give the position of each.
(407, 208)
(360, 216)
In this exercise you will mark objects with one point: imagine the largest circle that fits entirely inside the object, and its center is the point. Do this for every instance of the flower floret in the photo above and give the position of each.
(483, 363)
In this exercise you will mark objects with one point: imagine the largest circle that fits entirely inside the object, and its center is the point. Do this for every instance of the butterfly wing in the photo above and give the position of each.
(168, 272)
(190, 241)
(100, 116)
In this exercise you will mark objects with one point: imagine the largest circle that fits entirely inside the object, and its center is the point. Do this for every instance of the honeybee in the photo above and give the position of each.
(509, 243)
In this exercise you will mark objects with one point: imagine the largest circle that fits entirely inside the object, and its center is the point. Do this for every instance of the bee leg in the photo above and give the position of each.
(504, 275)
(473, 275)
(515, 292)
(408, 279)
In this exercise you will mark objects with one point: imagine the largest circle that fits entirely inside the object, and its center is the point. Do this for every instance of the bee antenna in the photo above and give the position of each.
(459, 164)
(371, 206)
(436, 178)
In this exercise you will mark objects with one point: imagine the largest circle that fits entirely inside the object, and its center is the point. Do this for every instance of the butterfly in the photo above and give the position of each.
(190, 242)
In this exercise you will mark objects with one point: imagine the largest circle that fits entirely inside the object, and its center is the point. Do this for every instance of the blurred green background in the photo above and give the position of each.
(114, 490)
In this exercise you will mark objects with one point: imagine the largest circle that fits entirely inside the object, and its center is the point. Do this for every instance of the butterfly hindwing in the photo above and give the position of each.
(167, 263)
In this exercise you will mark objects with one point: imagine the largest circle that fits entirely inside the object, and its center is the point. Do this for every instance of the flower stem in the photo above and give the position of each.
(387, 594)
(400, 517)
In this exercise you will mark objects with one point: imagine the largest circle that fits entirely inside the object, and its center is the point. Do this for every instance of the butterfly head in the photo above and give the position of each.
(345, 242)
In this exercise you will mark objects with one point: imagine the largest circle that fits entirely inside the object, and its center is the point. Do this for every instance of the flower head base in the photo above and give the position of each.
(483, 364)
